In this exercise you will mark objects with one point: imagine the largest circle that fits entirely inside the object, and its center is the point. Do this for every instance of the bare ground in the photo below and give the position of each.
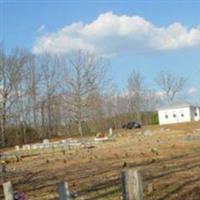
(168, 163)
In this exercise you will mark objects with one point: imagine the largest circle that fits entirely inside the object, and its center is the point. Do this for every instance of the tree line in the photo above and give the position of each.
(50, 95)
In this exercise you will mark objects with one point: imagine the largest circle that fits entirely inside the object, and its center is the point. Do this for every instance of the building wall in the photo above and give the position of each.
(176, 115)
(197, 114)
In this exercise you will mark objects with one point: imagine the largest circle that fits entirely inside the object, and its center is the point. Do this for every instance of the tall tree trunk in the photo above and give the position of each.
(34, 111)
(43, 119)
(3, 131)
(4, 121)
(80, 130)
(24, 133)
(49, 131)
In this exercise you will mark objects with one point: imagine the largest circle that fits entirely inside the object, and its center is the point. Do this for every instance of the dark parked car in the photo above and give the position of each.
(131, 125)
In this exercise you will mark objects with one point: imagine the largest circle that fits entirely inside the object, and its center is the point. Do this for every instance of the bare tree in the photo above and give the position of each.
(151, 100)
(84, 74)
(171, 84)
(49, 84)
(26, 105)
(33, 77)
(11, 74)
(136, 93)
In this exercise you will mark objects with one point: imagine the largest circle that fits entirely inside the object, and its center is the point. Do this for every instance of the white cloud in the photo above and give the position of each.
(192, 91)
(111, 34)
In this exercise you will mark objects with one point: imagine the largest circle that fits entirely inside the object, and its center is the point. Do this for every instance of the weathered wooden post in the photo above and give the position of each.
(8, 191)
(64, 193)
(132, 186)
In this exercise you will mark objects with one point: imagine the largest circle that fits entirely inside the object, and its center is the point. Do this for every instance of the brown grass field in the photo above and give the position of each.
(168, 163)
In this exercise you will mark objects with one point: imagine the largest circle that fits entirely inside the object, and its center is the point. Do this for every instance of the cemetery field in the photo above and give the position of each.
(168, 158)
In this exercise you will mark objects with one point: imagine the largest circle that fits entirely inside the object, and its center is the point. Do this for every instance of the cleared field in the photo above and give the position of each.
(169, 164)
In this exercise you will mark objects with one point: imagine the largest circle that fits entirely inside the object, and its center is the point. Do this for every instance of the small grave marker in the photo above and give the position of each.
(110, 132)
(17, 148)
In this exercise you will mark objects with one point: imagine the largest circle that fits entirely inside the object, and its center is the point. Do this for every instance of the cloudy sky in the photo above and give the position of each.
(147, 36)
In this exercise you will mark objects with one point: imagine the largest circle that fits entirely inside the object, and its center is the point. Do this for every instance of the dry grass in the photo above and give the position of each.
(170, 164)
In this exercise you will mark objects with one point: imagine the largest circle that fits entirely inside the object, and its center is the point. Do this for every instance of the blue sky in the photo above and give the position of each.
(24, 23)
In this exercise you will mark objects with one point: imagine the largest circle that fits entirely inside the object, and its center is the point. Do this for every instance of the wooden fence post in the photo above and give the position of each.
(132, 185)
(8, 191)
(64, 193)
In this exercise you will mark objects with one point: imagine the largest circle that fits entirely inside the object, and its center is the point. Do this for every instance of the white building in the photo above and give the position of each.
(178, 113)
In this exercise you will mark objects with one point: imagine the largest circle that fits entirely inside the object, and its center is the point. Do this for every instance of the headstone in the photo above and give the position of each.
(110, 132)
(17, 148)
(148, 133)
(150, 188)
(64, 141)
(28, 146)
(45, 141)
(34, 146)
